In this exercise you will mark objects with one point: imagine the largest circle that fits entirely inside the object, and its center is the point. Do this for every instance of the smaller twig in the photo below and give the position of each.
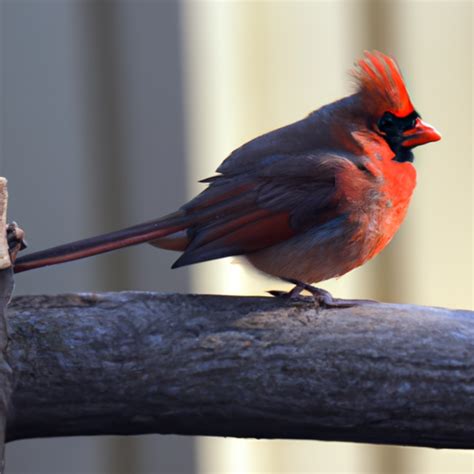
(5, 261)
(15, 239)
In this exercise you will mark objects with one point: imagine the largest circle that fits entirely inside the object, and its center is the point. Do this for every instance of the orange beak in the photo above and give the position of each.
(419, 135)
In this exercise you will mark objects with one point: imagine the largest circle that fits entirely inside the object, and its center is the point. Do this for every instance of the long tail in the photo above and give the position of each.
(147, 232)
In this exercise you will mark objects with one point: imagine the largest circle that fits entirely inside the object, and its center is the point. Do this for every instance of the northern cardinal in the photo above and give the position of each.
(306, 202)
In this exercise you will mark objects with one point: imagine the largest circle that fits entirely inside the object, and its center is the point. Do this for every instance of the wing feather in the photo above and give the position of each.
(240, 214)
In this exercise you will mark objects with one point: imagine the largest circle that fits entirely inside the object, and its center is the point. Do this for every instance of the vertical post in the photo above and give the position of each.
(6, 288)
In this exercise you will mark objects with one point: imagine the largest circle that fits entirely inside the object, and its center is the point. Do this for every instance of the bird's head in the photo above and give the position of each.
(386, 102)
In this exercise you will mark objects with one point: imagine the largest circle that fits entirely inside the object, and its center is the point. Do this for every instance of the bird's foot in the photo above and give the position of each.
(16, 240)
(293, 294)
(322, 298)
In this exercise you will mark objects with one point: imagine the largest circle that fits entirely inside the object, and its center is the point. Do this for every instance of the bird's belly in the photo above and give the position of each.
(297, 262)
(330, 251)
(315, 255)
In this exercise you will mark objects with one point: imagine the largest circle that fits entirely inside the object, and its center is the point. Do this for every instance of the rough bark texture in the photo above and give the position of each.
(129, 363)
(6, 288)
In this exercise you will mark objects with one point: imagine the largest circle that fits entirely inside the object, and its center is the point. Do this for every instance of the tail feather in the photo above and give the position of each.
(146, 232)
(177, 241)
(220, 209)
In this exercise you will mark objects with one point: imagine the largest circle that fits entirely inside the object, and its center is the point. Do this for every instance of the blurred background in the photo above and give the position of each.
(112, 110)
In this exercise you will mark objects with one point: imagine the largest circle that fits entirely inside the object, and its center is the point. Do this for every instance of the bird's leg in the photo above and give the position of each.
(322, 297)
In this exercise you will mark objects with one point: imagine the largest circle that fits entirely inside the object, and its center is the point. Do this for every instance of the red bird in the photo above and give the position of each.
(305, 203)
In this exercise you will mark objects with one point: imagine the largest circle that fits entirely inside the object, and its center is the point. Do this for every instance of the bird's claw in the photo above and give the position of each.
(279, 294)
(322, 298)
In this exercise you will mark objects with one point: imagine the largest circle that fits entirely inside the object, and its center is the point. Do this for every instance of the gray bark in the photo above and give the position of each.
(130, 363)
(6, 288)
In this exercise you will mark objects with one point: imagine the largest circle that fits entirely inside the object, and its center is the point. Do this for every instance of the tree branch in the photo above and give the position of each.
(6, 288)
(130, 363)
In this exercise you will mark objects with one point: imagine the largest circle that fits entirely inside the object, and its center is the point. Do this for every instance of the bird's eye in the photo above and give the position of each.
(408, 123)
(391, 125)
(386, 122)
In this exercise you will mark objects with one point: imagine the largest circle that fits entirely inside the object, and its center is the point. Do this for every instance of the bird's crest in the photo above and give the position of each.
(381, 84)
